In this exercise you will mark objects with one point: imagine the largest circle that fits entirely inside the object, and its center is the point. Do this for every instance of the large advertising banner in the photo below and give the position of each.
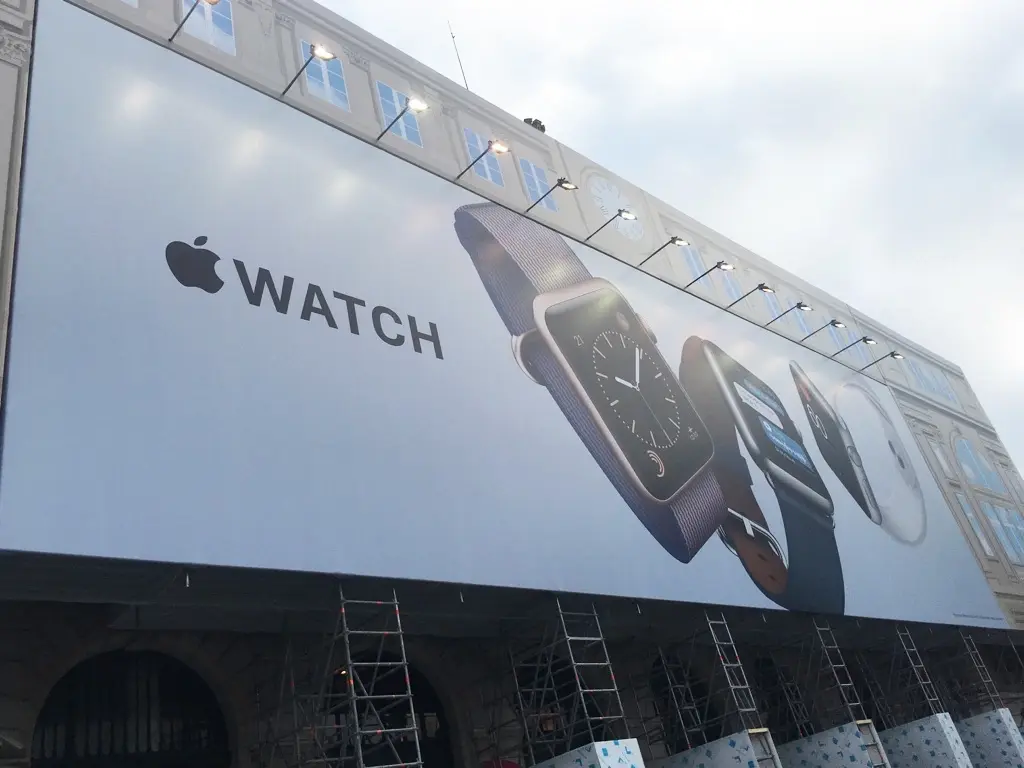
(242, 338)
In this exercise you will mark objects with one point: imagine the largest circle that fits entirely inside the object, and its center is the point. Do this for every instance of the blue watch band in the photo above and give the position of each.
(813, 571)
(518, 260)
(815, 583)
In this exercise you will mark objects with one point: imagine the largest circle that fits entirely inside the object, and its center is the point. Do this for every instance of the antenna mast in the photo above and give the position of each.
(458, 57)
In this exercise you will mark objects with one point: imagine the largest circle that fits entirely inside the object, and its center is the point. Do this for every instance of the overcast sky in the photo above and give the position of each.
(874, 148)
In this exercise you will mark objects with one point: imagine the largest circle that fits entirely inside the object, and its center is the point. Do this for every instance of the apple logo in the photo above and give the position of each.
(193, 266)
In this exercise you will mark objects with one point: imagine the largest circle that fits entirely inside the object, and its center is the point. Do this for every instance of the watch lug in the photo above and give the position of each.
(518, 352)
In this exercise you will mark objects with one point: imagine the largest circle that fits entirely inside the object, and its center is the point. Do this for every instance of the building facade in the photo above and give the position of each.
(232, 632)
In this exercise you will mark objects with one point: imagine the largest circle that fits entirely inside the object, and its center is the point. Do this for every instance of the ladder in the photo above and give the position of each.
(735, 676)
(920, 672)
(349, 701)
(872, 744)
(991, 692)
(880, 704)
(382, 728)
(794, 697)
(685, 720)
(833, 657)
(566, 694)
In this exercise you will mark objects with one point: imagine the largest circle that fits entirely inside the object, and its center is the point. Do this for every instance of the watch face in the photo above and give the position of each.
(834, 442)
(634, 392)
(776, 440)
(886, 461)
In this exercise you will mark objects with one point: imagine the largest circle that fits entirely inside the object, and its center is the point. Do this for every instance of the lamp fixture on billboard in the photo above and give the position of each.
(412, 104)
(894, 355)
(674, 240)
(497, 147)
(762, 287)
(622, 213)
(187, 15)
(799, 305)
(725, 266)
(562, 183)
(829, 324)
(862, 340)
(315, 52)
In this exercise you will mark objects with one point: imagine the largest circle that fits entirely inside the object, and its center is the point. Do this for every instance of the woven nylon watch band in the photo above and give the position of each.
(519, 260)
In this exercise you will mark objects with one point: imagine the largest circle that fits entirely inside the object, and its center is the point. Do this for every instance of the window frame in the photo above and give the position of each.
(206, 12)
(528, 169)
(488, 165)
(977, 527)
(401, 127)
(305, 47)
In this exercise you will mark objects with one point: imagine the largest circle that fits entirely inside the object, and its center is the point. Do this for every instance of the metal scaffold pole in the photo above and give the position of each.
(348, 701)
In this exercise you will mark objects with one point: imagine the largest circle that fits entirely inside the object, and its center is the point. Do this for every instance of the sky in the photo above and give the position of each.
(875, 149)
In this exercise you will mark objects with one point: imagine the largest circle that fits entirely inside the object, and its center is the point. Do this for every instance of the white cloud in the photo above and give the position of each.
(873, 148)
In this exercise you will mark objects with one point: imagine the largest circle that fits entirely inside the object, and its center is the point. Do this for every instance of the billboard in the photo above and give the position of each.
(242, 338)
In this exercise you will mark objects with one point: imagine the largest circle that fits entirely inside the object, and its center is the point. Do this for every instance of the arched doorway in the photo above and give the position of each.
(385, 706)
(131, 709)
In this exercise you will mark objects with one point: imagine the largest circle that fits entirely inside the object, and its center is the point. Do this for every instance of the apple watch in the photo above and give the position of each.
(809, 576)
(883, 466)
(578, 336)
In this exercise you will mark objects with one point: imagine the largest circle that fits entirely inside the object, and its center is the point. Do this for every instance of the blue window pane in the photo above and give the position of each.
(387, 102)
(222, 21)
(412, 129)
(732, 286)
(969, 462)
(837, 337)
(494, 169)
(774, 308)
(801, 320)
(695, 263)
(336, 79)
(532, 190)
(860, 349)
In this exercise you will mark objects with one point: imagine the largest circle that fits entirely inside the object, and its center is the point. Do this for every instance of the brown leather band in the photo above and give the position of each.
(746, 528)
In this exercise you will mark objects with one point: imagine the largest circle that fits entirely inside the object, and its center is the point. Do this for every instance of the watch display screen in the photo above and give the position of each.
(638, 398)
(768, 423)
(828, 436)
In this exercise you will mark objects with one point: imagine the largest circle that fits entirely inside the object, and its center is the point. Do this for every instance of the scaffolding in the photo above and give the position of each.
(344, 699)
(552, 695)
(962, 678)
(696, 691)
(911, 693)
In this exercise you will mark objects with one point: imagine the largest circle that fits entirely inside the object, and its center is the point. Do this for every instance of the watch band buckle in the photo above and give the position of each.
(754, 530)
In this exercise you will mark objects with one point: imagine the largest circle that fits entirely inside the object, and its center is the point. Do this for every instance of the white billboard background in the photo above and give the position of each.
(147, 420)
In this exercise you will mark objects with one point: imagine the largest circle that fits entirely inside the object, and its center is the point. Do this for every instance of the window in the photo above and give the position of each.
(972, 518)
(695, 263)
(1015, 482)
(933, 381)
(212, 24)
(977, 469)
(1007, 538)
(537, 184)
(801, 318)
(774, 308)
(942, 458)
(861, 350)
(487, 167)
(732, 286)
(132, 3)
(837, 337)
(1013, 524)
(325, 79)
(391, 103)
